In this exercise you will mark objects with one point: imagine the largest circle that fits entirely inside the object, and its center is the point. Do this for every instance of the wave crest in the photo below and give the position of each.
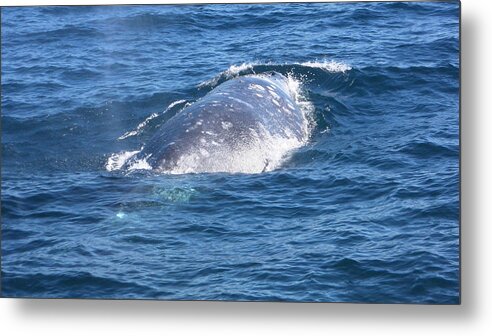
(254, 67)
(328, 65)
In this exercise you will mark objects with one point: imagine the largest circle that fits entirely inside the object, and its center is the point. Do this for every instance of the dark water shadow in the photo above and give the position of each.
(339, 312)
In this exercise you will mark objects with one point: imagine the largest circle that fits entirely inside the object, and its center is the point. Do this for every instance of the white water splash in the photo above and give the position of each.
(235, 70)
(307, 108)
(141, 164)
(330, 66)
(117, 160)
(231, 72)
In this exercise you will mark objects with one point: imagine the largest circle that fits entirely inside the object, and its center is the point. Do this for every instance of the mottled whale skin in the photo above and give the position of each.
(233, 118)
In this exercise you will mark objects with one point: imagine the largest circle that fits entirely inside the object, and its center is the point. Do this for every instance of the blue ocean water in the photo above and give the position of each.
(366, 211)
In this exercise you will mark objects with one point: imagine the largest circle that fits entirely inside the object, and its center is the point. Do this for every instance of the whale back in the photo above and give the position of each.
(235, 119)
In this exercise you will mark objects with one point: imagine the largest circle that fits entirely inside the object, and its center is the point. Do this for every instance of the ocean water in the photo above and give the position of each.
(366, 210)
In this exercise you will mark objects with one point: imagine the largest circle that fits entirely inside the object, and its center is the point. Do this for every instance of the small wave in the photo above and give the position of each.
(80, 74)
(234, 70)
(77, 284)
(67, 31)
(429, 149)
(147, 21)
(231, 72)
(330, 66)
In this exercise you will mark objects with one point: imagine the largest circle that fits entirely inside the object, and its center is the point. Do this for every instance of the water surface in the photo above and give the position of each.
(366, 211)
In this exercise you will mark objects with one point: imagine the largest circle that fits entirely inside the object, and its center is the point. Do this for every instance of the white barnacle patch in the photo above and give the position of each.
(275, 95)
(254, 133)
(226, 125)
(256, 87)
(204, 152)
(241, 102)
(203, 141)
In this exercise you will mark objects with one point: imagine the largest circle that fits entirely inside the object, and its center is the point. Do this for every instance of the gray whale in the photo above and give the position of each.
(246, 124)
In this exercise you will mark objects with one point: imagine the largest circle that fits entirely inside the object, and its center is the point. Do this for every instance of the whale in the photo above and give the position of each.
(245, 125)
